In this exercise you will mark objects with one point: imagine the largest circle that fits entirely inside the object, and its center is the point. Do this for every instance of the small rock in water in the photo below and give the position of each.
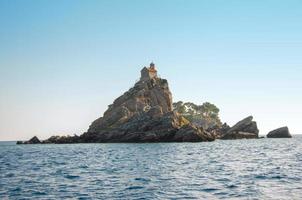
(246, 128)
(282, 132)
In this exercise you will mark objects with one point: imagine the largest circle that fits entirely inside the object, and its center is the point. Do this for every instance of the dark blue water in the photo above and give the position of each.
(238, 169)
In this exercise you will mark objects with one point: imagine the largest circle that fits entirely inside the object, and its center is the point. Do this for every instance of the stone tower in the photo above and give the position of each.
(148, 73)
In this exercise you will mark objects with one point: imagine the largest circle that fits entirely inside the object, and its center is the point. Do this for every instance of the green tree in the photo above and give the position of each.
(205, 115)
(209, 110)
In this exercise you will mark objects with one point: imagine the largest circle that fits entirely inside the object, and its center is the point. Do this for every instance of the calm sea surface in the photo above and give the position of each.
(237, 169)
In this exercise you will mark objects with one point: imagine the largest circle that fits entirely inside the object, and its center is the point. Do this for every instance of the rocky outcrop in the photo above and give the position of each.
(62, 139)
(33, 140)
(219, 131)
(146, 127)
(152, 95)
(190, 133)
(145, 114)
(239, 135)
(142, 114)
(282, 132)
(246, 128)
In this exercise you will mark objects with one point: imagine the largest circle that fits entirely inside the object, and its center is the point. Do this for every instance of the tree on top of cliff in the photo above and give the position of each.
(205, 115)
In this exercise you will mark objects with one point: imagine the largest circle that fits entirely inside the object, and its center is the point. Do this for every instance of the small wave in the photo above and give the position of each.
(153, 171)
(17, 189)
(277, 177)
(39, 193)
(260, 177)
(71, 176)
(232, 186)
(142, 179)
(9, 175)
(83, 167)
(269, 177)
(134, 187)
(210, 189)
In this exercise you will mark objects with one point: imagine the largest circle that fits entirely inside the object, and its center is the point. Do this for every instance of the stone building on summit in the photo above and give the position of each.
(148, 73)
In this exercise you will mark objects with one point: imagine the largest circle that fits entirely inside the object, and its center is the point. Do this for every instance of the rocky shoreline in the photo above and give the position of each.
(145, 113)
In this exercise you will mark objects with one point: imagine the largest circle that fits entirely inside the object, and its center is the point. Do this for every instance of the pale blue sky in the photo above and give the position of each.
(62, 62)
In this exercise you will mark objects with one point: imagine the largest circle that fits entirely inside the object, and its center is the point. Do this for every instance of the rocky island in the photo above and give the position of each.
(282, 132)
(146, 113)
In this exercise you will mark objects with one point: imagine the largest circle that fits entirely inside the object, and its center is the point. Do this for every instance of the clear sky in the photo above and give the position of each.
(62, 62)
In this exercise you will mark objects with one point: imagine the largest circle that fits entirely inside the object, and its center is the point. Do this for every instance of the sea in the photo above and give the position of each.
(223, 169)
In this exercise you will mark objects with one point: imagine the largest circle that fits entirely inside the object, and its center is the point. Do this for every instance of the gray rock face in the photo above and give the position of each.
(282, 132)
(62, 140)
(33, 140)
(219, 131)
(152, 94)
(246, 128)
(239, 135)
(146, 127)
(192, 134)
(142, 114)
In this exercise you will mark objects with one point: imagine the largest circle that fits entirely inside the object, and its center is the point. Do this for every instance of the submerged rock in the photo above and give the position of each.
(282, 132)
(246, 128)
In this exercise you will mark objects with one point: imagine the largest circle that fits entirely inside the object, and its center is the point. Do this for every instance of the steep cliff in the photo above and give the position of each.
(143, 97)
(144, 114)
